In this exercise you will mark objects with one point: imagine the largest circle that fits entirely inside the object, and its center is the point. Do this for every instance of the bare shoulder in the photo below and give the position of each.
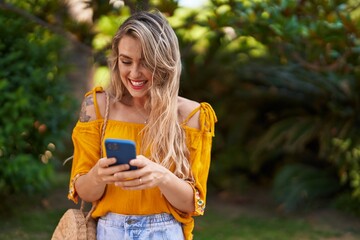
(101, 101)
(186, 107)
(88, 111)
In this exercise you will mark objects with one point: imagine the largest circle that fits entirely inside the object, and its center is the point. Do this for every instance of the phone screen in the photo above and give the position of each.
(122, 150)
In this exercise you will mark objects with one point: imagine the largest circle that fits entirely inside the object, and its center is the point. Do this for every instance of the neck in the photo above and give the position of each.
(136, 102)
(142, 112)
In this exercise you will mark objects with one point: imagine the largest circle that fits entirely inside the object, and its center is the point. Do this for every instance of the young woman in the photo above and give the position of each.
(173, 137)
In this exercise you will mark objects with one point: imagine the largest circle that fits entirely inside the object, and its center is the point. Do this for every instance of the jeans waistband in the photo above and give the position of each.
(138, 220)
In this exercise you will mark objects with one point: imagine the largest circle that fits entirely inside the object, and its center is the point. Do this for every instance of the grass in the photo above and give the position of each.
(220, 226)
(30, 225)
(36, 217)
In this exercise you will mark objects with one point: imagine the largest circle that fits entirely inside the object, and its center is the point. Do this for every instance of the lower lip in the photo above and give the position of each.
(137, 87)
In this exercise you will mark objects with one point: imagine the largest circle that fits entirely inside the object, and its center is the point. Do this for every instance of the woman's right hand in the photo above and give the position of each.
(104, 172)
(91, 186)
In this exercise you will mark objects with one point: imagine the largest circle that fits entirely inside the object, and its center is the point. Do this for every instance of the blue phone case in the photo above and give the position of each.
(122, 150)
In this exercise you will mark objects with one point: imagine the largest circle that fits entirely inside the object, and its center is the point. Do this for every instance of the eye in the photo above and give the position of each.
(125, 60)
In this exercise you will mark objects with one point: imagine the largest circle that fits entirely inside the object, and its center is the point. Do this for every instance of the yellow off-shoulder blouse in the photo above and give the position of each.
(86, 140)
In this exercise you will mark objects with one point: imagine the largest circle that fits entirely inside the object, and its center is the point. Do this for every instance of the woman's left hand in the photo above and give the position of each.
(148, 175)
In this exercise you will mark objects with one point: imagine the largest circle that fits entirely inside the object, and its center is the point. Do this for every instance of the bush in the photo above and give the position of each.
(283, 77)
(35, 108)
(297, 185)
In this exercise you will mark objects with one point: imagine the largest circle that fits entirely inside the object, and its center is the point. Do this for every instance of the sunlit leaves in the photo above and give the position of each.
(35, 105)
(102, 77)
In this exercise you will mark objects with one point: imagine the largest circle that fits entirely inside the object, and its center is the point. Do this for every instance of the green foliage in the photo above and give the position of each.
(35, 109)
(297, 185)
(283, 79)
(347, 203)
(347, 157)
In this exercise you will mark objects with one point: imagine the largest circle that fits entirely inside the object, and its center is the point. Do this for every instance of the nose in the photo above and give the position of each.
(135, 71)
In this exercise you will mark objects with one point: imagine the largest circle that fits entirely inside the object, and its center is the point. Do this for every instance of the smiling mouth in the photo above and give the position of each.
(138, 83)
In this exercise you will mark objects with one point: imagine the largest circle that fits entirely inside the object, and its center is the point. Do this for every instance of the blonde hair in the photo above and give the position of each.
(163, 134)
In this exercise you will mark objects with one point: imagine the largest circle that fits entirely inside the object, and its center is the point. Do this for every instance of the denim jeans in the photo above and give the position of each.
(139, 227)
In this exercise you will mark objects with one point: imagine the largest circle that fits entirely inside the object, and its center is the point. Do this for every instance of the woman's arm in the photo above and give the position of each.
(91, 186)
(178, 192)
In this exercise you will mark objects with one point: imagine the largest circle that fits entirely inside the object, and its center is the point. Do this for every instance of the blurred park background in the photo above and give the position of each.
(282, 75)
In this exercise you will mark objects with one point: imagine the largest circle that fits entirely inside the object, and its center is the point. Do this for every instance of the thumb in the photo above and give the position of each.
(139, 161)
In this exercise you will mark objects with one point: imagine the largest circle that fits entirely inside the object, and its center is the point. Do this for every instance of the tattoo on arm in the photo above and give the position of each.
(87, 102)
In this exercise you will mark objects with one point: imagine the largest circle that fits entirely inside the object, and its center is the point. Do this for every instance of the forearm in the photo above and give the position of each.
(88, 188)
(178, 192)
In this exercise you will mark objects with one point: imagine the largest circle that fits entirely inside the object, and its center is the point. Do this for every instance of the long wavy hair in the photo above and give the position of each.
(163, 134)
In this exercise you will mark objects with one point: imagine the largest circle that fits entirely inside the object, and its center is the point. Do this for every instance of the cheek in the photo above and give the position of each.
(123, 74)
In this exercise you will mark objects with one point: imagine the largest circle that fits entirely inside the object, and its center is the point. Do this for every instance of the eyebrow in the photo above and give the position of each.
(126, 56)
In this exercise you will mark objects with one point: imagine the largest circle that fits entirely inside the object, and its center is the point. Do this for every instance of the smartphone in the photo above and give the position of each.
(122, 150)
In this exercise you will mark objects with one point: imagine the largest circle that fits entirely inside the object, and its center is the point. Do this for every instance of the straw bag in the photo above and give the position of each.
(76, 224)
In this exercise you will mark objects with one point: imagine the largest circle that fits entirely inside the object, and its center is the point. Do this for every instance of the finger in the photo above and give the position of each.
(124, 176)
(108, 172)
(119, 168)
(109, 179)
(111, 171)
(139, 161)
(135, 183)
(106, 162)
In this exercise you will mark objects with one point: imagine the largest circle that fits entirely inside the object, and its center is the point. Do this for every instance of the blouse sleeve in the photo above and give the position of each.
(86, 141)
(200, 144)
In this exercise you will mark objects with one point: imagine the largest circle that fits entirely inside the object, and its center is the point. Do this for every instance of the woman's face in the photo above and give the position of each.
(133, 73)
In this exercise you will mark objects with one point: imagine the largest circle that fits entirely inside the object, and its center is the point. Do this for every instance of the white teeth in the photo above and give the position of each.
(137, 83)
